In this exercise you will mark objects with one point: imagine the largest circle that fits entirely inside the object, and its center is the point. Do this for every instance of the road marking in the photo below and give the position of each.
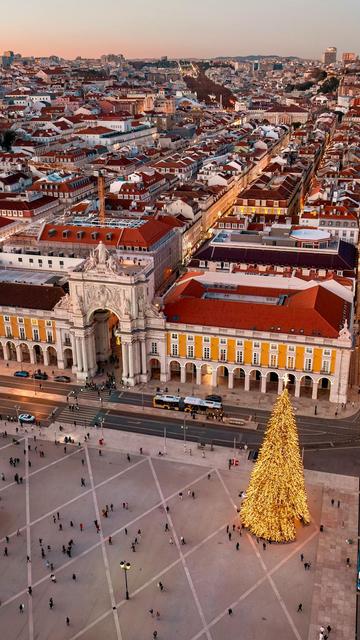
(11, 444)
(113, 533)
(65, 504)
(182, 557)
(103, 549)
(28, 538)
(34, 473)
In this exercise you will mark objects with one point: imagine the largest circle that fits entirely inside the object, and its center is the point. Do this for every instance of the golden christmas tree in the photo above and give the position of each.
(276, 496)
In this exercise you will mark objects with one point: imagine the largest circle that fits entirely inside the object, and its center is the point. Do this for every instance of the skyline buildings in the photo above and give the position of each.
(142, 30)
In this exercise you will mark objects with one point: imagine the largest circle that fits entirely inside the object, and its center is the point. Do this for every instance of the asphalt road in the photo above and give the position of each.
(329, 444)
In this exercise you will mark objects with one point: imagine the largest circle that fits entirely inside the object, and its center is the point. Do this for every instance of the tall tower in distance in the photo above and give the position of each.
(329, 55)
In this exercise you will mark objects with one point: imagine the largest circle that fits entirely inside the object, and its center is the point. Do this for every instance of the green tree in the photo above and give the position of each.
(7, 139)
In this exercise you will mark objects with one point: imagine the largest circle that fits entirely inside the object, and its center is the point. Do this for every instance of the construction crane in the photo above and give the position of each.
(101, 194)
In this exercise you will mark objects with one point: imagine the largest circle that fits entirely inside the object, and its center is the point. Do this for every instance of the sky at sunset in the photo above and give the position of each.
(179, 28)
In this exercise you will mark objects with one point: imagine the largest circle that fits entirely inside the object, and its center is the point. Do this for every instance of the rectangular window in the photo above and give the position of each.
(20, 320)
(256, 345)
(49, 336)
(174, 336)
(174, 349)
(154, 348)
(291, 362)
(6, 318)
(239, 343)
(223, 355)
(190, 351)
(309, 350)
(22, 333)
(256, 358)
(325, 366)
(273, 360)
(327, 352)
(34, 322)
(206, 353)
(36, 336)
(223, 341)
(273, 347)
(206, 339)
(240, 357)
(291, 349)
(308, 364)
(48, 323)
(8, 331)
(190, 338)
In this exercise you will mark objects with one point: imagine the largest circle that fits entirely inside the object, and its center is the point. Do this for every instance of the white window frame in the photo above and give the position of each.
(206, 353)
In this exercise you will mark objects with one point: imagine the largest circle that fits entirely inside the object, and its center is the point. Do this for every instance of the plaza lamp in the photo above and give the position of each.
(126, 566)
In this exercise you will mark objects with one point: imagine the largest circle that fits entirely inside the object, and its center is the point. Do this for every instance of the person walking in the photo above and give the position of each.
(21, 608)
(81, 526)
(160, 586)
(74, 576)
(229, 534)
(264, 546)
(302, 557)
(30, 591)
(51, 603)
(182, 540)
(52, 578)
(155, 634)
(299, 607)
(151, 611)
(237, 546)
(67, 621)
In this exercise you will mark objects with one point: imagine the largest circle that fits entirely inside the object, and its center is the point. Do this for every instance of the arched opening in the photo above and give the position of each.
(239, 378)
(154, 369)
(38, 353)
(306, 386)
(324, 387)
(272, 382)
(174, 370)
(68, 358)
(190, 371)
(24, 352)
(206, 374)
(1, 351)
(107, 345)
(222, 376)
(255, 380)
(11, 351)
(291, 382)
(52, 356)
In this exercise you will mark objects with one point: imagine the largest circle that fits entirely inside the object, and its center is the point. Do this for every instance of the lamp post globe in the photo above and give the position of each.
(125, 566)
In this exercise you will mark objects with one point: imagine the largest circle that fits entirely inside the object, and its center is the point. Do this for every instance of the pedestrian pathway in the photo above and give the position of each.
(84, 416)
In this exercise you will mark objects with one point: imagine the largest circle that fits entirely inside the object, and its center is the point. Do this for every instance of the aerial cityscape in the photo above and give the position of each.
(179, 321)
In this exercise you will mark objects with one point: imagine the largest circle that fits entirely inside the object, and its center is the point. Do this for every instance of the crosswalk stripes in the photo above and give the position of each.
(84, 415)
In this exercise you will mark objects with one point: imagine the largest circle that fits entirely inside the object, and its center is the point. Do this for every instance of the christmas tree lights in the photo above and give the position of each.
(276, 496)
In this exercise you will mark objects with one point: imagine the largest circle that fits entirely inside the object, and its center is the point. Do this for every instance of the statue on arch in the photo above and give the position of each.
(102, 253)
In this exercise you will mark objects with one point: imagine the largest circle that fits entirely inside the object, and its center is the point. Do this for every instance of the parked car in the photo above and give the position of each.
(27, 417)
(21, 374)
(214, 398)
(40, 375)
(62, 379)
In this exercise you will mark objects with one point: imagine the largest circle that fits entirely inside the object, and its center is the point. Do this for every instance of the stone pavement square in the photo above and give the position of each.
(201, 578)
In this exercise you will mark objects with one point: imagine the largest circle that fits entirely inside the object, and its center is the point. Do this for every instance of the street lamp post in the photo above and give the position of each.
(164, 441)
(126, 566)
(184, 427)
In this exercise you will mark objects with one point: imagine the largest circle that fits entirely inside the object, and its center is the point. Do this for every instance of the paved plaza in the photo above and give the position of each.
(202, 579)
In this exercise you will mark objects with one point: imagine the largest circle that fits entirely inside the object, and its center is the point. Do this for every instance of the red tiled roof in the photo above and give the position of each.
(145, 236)
(314, 311)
